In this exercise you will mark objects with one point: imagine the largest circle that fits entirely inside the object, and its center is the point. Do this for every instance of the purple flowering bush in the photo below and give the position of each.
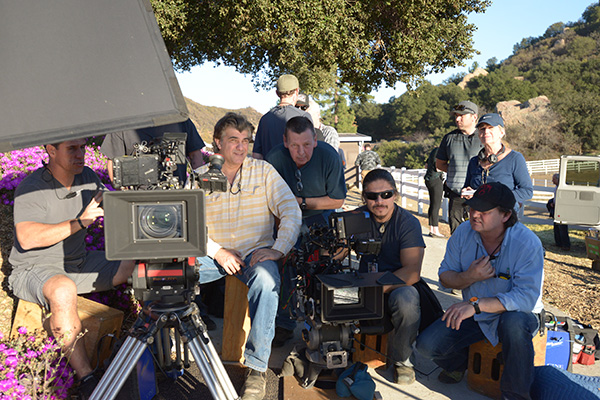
(32, 366)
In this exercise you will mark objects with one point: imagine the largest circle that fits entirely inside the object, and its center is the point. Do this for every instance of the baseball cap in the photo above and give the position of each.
(491, 195)
(464, 107)
(303, 101)
(491, 119)
(287, 83)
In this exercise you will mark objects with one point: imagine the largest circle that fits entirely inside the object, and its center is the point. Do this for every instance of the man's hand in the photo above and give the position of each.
(457, 313)
(481, 269)
(265, 254)
(467, 192)
(92, 211)
(230, 260)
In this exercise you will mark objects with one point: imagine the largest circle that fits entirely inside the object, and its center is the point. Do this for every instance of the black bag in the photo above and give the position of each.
(431, 309)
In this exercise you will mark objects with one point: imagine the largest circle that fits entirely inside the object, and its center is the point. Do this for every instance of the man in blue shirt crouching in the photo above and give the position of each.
(497, 262)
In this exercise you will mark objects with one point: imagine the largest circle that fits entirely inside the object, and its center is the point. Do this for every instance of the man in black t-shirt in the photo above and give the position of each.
(454, 153)
(402, 251)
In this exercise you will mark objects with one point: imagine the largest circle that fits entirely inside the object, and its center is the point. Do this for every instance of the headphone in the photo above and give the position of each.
(492, 158)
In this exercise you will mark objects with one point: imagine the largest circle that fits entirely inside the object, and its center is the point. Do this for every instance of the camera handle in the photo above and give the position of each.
(192, 329)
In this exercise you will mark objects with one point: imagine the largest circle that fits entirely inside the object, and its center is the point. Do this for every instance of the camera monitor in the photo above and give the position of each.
(350, 296)
(154, 225)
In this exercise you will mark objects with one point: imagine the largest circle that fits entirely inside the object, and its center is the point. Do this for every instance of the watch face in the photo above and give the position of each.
(473, 299)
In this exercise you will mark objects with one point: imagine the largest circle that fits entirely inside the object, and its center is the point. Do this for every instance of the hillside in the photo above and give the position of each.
(550, 86)
(205, 117)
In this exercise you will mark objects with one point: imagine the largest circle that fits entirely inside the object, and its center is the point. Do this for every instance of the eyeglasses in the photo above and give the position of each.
(374, 195)
(303, 108)
(299, 185)
(459, 107)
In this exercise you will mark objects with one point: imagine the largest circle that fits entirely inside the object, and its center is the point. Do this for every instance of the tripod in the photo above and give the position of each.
(185, 317)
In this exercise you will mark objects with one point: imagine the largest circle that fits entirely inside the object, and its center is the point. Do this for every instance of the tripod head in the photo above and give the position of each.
(172, 281)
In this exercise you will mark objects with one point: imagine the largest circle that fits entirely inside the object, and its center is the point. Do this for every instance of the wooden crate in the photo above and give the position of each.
(363, 352)
(485, 366)
(98, 319)
(236, 320)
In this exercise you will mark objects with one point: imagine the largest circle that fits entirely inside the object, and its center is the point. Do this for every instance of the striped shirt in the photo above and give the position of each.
(243, 217)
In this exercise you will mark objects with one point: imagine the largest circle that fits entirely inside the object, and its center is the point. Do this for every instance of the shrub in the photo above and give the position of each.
(33, 367)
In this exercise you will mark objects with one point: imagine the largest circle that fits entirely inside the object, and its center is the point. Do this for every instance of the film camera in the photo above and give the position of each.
(333, 298)
(161, 225)
(157, 219)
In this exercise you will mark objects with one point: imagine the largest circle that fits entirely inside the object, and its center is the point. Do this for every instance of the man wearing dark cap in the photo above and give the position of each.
(454, 153)
(271, 126)
(497, 263)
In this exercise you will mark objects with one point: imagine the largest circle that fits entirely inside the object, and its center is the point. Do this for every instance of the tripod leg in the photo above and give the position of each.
(218, 370)
(207, 372)
(214, 358)
(119, 369)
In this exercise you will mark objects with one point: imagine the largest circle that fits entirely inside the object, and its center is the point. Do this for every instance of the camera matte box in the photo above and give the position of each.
(120, 225)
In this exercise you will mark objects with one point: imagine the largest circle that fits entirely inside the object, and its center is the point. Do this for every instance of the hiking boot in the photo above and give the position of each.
(87, 384)
(255, 386)
(282, 335)
(451, 377)
(404, 375)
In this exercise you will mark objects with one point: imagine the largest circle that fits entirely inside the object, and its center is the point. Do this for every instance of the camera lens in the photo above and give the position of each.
(159, 221)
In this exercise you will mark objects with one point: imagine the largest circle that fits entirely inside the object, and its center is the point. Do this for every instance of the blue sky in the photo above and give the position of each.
(504, 24)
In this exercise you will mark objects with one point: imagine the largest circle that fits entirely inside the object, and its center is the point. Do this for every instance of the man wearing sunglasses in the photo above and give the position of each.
(410, 306)
(497, 263)
(313, 170)
(454, 153)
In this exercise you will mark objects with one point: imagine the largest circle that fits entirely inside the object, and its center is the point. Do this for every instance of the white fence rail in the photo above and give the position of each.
(411, 185)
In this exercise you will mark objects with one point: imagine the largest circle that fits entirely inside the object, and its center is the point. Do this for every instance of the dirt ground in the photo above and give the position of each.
(570, 283)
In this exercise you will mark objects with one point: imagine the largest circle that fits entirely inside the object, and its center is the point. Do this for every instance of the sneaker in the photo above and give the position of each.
(451, 377)
(282, 335)
(210, 324)
(404, 375)
(87, 384)
(255, 386)
(436, 235)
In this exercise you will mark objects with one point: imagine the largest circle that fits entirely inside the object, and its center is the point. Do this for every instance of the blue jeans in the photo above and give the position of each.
(405, 310)
(449, 349)
(262, 280)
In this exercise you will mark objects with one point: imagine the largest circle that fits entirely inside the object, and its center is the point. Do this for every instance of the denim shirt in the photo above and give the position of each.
(519, 268)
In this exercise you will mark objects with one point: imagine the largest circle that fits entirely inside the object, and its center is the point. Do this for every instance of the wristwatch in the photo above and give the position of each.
(475, 303)
(303, 204)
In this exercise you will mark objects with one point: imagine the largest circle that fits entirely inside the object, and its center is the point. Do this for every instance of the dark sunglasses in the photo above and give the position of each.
(459, 107)
(374, 195)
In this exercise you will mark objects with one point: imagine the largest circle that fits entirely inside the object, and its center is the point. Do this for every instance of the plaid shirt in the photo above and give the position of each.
(243, 217)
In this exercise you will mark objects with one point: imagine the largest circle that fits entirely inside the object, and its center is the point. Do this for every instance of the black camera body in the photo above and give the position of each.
(332, 296)
(153, 164)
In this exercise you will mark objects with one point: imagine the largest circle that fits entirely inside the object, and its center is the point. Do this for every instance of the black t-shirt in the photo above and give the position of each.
(402, 231)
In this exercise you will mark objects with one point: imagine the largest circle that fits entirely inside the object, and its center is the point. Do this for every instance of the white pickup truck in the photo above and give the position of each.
(578, 198)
